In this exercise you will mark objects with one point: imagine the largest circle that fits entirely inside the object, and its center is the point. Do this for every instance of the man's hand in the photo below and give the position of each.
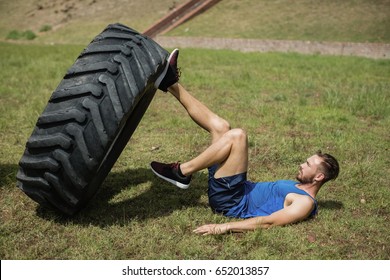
(212, 229)
(234, 226)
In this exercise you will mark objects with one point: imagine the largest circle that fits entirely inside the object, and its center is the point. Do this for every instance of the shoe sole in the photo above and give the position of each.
(163, 73)
(176, 183)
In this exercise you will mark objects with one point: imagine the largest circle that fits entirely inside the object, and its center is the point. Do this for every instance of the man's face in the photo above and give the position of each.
(309, 169)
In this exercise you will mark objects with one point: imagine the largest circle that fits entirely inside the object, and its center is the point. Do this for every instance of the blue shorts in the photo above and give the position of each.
(225, 192)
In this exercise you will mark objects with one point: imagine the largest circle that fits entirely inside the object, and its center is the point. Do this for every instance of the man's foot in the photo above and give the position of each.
(171, 173)
(171, 74)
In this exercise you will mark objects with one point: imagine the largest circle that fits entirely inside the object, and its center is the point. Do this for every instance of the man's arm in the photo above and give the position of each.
(297, 211)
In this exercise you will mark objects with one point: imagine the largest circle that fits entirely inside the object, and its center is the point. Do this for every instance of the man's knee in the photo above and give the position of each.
(221, 126)
(238, 135)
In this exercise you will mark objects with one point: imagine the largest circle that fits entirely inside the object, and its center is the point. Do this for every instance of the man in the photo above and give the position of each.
(263, 204)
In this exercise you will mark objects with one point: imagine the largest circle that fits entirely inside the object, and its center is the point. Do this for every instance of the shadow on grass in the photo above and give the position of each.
(136, 194)
(330, 204)
(8, 174)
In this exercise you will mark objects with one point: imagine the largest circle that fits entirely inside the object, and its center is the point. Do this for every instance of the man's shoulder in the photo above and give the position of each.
(299, 198)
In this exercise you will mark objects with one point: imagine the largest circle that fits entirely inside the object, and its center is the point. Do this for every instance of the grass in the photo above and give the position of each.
(291, 105)
(23, 35)
(76, 22)
(335, 20)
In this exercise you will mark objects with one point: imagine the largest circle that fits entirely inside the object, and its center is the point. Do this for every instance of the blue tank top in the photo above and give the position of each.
(265, 198)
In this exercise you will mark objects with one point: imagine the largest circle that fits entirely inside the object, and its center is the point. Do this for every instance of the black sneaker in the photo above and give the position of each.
(170, 173)
(171, 73)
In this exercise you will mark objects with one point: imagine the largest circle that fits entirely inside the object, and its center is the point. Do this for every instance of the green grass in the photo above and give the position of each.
(21, 35)
(331, 20)
(291, 105)
(79, 24)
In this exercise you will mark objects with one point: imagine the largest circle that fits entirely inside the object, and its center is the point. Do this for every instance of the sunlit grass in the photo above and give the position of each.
(335, 20)
(345, 21)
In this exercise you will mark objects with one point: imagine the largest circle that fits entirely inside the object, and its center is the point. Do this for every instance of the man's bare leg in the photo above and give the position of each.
(200, 113)
(230, 151)
(229, 147)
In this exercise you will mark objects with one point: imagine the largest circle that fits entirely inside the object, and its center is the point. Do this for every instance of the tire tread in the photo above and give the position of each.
(80, 134)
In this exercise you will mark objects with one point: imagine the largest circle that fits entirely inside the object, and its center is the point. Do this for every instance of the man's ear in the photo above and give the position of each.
(319, 177)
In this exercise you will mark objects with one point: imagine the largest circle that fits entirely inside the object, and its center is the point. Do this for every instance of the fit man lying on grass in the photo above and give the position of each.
(262, 204)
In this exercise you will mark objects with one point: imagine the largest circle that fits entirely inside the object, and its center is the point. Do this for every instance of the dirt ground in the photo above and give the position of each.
(369, 50)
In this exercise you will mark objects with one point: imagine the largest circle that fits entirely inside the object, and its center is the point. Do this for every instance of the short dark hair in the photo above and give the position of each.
(329, 166)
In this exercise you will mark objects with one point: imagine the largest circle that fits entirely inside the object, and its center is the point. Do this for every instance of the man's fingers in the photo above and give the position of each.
(204, 230)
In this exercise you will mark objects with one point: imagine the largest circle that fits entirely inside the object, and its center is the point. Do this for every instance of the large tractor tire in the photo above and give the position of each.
(89, 119)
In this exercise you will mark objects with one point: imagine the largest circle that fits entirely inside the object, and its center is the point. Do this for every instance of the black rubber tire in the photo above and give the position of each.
(89, 119)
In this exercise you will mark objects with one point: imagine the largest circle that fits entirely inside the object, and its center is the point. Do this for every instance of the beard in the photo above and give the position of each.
(304, 179)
